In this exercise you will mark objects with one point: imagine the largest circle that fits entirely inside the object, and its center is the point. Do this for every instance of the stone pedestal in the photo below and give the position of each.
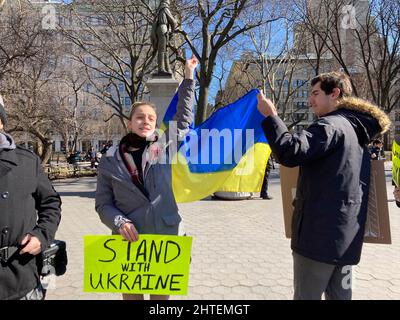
(233, 195)
(162, 90)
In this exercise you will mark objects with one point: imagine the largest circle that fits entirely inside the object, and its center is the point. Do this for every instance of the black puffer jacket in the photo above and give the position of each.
(28, 204)
(332, 189)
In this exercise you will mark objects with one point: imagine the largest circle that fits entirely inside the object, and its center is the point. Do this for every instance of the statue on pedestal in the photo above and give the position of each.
(164, 24)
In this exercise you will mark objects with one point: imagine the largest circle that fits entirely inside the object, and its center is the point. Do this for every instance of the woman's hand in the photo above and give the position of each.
(129, 232)
(190, 66)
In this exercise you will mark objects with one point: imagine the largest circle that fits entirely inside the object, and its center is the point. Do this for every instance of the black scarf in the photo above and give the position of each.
(131, 150)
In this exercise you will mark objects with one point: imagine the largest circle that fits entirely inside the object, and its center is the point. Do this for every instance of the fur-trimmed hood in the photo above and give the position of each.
(364, 106)
(367, 119)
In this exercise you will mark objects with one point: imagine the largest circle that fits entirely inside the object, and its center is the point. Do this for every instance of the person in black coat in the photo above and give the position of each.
(29, 218)
(330, 205)
(377, 150)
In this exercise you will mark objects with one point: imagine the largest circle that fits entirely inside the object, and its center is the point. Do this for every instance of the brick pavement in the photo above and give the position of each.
(239, 249)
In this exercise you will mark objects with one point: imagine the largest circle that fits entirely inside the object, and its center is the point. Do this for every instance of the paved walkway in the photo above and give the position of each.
(239, 248)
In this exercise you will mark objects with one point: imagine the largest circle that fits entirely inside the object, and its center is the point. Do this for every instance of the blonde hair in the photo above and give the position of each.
(138, 104)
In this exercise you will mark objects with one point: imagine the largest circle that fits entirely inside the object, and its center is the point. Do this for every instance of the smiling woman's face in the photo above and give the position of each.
(143, 121)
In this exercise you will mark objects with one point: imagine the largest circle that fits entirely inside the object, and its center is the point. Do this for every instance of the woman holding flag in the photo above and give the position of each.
(134, 189)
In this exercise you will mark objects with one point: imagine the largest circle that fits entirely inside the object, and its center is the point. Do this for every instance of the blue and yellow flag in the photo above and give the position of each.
(228, 152)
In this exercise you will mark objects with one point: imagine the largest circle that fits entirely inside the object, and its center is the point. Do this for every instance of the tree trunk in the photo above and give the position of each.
(74, 147)
(201, 111)
(386, 146)
(47, 151)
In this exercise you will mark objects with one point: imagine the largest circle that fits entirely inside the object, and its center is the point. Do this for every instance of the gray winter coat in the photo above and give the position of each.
(117, 196)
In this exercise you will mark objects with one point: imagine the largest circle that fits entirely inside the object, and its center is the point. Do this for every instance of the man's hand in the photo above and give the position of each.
(265, 106)
(129, 232)
(32, 245)
(190, 66)
(396, 194)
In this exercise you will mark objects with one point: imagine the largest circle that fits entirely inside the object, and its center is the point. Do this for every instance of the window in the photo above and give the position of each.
(397, 130)
(301, 105)
(299, 83)
(85, 102)
(397, 116)
(88, 61)
(127, 101)
(298, 116)
(299, 93)
(95, 114)
(88, 87)
(121, 87)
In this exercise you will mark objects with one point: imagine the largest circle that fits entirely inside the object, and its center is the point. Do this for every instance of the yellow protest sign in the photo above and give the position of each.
(396, 161)
(155, 264)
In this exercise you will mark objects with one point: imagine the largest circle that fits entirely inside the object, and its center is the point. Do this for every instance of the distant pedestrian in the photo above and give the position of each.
(105, 147)
(376, 149)
(264, 189)
(92, 155)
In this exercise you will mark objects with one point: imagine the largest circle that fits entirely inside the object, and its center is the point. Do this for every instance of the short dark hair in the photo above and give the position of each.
(138, 104)
(332, 80)
(377, 141)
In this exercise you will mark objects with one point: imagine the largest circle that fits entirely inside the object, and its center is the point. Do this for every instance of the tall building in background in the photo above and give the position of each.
(286, 78)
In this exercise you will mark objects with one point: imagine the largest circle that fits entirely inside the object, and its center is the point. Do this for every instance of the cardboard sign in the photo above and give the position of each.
(155, 264)
(377, 228)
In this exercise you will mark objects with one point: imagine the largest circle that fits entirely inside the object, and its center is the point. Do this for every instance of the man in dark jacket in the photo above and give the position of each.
(29, 217)
(330, 206)
(377, 150)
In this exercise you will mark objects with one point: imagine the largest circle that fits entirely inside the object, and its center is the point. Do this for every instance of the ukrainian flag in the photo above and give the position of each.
(228, 152)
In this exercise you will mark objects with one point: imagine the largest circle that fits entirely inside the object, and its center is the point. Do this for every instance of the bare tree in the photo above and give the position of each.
(365, 43)
(364, 40)
(274, 63)
(208, 26)
(72, 120)
(18, 35)
(29, 76)
(112, 42)
(29, 95)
